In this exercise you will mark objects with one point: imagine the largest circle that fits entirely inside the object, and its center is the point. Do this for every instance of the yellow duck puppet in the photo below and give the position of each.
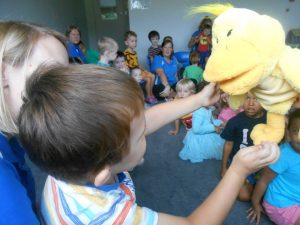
(249, 54)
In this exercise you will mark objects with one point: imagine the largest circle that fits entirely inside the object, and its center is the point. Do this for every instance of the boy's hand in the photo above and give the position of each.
(254, 213)
(210, 94)
(251, 159)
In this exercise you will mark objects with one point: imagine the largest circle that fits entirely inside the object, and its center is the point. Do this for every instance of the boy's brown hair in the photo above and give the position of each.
(194, 57)
(76, 119)
(128, 34)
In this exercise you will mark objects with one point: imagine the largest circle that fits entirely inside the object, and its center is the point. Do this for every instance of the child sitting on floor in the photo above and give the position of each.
(226, 113)
(120, 63)
(86, 125)
(131, 57)
(203, 141)
(108, 48)
(237, 135)
(184, 88)
(155, 48)
(194, 71)
(279, 183)
(136, 73)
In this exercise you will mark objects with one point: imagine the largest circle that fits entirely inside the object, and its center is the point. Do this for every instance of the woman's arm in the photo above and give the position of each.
(160, 72)
(162, 114)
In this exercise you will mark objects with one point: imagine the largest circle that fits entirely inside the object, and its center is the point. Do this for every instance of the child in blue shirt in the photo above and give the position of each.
(280, 182)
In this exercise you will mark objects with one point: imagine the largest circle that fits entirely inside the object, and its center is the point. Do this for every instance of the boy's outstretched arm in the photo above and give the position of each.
(216, 207)
(162, 114)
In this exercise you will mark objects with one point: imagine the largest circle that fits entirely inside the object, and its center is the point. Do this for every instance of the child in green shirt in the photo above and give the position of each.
(194, 71)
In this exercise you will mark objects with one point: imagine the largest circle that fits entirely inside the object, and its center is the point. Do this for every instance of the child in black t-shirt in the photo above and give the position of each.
(237, 135)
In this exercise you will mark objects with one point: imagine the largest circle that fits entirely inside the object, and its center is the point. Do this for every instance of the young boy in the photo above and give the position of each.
(194, 72)
(86, 125)
(130, 39)
(108, 48)
(120, 63)
(136, 73)
(237, 135)
(155, 48)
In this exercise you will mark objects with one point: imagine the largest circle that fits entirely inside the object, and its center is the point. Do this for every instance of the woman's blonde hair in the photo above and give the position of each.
(17, 40)
(186, 84)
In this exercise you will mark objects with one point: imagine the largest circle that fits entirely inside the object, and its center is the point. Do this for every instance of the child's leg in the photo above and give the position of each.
(298, 221)
(147, 86)
(245, 192)
(151, 78)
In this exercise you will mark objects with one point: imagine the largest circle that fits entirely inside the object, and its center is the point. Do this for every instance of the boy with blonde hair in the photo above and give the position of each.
(108, 48)
(184, 88)
(130, 39)
(85, 125)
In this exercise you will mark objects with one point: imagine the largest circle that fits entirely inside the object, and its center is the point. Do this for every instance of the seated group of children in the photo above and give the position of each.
(128, 62)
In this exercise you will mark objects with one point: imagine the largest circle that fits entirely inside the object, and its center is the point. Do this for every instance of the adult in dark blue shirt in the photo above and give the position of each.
(23, 48)
(237, 135)
(73, 45)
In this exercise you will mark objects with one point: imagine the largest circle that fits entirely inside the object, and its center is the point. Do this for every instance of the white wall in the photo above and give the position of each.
(168, 17)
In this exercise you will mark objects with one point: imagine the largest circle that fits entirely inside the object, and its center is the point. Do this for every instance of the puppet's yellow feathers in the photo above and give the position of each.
(214, 9)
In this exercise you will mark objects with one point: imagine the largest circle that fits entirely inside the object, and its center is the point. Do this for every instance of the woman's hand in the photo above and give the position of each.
(166, 92)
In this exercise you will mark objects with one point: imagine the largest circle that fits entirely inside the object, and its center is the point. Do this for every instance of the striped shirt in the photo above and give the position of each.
(114, 204)
(154, 51)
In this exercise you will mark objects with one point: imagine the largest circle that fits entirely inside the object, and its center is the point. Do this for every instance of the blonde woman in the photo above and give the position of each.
(23, 47)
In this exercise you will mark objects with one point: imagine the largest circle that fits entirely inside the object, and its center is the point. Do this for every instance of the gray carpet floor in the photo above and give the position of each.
(167, 184)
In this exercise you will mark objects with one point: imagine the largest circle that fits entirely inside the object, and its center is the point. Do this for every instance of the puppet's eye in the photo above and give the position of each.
(229, 33)
(217, 40)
